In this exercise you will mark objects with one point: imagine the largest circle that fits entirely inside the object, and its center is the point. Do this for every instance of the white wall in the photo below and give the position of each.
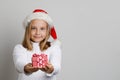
(89, 31)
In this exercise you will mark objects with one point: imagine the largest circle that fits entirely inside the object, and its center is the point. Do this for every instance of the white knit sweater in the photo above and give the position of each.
(21, 56)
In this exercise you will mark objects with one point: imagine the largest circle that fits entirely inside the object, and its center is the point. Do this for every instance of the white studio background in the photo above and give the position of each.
(89, 31)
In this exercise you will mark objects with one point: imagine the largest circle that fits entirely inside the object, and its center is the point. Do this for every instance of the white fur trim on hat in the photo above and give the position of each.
(38, 15)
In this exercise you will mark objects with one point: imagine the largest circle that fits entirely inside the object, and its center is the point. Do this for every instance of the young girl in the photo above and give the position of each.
(38, 28)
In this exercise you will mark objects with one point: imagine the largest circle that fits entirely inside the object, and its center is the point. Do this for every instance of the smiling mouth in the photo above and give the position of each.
(37, 37)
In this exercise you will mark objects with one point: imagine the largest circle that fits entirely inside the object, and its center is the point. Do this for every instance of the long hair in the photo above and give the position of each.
(44, 44)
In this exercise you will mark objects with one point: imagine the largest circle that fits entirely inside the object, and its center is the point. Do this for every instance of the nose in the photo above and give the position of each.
(37, 31)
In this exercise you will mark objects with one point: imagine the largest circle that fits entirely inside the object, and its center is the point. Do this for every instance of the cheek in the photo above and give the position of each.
(32, 33)
(44, 34)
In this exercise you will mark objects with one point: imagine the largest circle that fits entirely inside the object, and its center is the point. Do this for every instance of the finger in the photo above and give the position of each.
(29, 65)
(32, 69)
(43, 69)
(49, 66)
(46, 68)
(35, 69)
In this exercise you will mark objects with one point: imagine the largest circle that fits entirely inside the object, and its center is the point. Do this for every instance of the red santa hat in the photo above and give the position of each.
(41, 14)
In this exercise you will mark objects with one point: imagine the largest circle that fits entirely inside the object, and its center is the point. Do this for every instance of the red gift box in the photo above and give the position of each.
(39, 60)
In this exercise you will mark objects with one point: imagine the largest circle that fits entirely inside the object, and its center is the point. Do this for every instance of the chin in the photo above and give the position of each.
(37, 40)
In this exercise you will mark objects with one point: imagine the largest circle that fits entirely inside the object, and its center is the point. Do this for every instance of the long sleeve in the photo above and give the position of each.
(55, 59)
(19, 58)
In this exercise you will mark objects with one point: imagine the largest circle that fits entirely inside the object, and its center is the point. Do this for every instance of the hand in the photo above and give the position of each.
(28, 68)
(48, 68)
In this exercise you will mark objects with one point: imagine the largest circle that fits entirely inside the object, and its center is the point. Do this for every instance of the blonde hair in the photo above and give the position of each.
(44, 44)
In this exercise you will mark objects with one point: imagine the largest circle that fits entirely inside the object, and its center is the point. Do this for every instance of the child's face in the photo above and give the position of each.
(38, 30)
